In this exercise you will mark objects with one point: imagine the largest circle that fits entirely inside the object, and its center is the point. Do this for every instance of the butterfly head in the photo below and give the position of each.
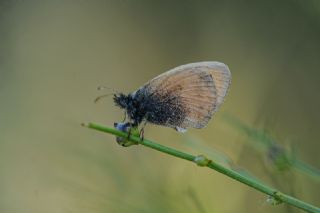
(123, 101)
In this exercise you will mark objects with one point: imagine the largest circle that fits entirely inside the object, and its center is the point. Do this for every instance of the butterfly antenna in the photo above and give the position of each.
(102, 96)
(108, 88)
(106, 95)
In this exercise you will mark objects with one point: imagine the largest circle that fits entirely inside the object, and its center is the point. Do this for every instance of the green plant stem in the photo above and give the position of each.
(273, 193)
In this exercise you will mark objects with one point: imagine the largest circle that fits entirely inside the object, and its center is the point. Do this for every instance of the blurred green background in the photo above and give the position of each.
(54, 54)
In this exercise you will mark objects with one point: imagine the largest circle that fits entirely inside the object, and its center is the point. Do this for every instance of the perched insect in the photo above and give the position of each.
(183, 97)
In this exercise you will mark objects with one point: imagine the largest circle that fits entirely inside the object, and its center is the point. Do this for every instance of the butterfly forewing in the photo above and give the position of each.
(188, 95)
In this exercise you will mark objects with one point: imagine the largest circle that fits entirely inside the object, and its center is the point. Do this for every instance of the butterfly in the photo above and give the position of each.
(184, 97)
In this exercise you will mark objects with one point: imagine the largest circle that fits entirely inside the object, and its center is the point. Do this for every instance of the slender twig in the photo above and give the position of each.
(276, 195)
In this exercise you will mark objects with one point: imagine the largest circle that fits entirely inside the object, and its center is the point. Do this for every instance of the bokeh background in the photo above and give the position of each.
(54, 54)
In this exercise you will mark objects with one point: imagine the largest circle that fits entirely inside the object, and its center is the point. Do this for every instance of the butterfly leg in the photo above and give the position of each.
(125, 116)
(141, 135)
(129, 131)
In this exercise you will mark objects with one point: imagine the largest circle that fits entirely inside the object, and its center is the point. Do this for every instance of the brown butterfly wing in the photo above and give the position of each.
(222, 78)
(192, 86)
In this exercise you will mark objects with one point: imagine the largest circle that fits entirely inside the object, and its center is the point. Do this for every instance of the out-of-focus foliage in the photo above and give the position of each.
(54, 54)
(280, 157)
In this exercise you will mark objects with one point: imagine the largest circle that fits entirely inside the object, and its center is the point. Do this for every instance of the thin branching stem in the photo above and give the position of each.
(275, 194)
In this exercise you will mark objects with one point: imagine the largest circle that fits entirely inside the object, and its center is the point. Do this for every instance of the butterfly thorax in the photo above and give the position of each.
(133, 106)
